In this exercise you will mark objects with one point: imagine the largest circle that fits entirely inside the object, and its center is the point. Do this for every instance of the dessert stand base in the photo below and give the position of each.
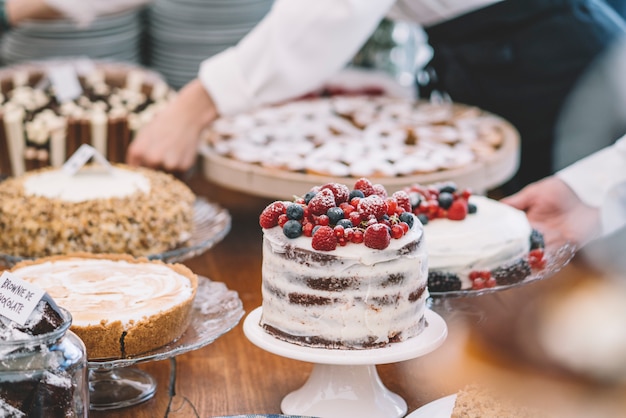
(119, 388)
(333, 388)
(345, 382)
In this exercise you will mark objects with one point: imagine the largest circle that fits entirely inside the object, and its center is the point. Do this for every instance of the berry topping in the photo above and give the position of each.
(377, 236)
(340, 191)
(365, 214)
(295, 211)
(443, 282)
(536, 240)
(372, 205)
(403, 200)
(458, 210)
(269, 216)
(445, 199)
(365, 186)
(292, 229)
(321, 202)
(324, 239)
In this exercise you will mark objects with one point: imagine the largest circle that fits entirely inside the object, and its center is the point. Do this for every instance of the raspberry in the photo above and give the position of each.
(324, 239)
(373, 205)
(321, 202)
(380, 190)
(365, 186)
(458, 210)
(340, 191)
(269, 216)
(403, 200)
(377, 237)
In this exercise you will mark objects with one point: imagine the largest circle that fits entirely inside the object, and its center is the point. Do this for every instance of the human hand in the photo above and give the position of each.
(556, 211)
(170, 140)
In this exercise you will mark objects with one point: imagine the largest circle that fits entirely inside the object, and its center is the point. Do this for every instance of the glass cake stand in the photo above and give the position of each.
(113, 383)
(556, 259)
(345, 382)
(211, 223)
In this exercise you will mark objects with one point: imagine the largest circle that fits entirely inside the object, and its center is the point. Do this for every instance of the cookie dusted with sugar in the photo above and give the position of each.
(125, 210)
(343, 268)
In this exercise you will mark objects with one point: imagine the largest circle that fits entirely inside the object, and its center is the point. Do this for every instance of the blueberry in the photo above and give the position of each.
(346, 223)
(471, 208)
(295, 211)
(292, 229)
(408, 218)
(334, 214)
(415, 199)
(536, 240)
(356, 193)
(447, 188)
(309, 196)
(423, 218)
(445, 199)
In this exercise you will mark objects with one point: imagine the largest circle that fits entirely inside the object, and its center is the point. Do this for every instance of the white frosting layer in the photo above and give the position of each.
(95, 290)
(88, 184)
(495, 235)
(373, 294)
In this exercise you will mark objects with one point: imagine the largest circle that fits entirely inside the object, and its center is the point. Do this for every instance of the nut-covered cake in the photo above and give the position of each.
(119, 209)
(343, 268)
(39, 129)
(121, 306)
(474, 242)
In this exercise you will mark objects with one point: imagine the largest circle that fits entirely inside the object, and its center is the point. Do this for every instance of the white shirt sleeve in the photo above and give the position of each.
(83, 12)
(293, 50)
(599, 180)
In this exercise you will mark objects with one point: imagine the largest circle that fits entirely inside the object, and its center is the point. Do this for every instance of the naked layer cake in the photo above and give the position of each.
(343, 268)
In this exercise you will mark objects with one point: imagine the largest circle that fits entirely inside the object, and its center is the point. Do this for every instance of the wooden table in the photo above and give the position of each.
(233, 376)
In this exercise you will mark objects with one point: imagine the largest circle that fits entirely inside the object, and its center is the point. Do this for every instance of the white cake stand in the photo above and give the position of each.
(345, 382)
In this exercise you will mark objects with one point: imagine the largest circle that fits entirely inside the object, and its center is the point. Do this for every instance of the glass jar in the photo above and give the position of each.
(45, 375)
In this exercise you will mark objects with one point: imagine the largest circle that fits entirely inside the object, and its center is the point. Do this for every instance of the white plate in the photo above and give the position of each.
(440, 408)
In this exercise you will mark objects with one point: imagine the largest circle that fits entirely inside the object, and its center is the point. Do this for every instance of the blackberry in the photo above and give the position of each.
(536, 240)
(423, 218)
(439, 281)
(292, 229)
(295, 211)
(408, 218)
(445, 199)
(513, 273)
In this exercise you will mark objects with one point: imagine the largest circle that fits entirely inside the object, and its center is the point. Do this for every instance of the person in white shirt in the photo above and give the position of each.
(581, 202)
(516, 58)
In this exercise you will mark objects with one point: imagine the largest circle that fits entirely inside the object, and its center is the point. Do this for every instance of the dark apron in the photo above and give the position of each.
(519, 59)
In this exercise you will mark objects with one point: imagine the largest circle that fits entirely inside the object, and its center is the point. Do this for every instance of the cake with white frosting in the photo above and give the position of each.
(343, 269)
(119, 209)
(121, 306)
(474, 242)
(358, 136)
(39, 130)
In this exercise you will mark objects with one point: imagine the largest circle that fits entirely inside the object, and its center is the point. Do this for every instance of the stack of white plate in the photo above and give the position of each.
(182, 33)
(115, 37)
